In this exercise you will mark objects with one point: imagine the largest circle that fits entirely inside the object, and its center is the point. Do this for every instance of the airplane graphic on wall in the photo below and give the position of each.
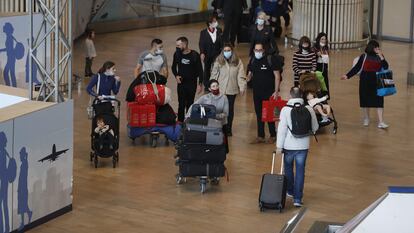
(55, 155)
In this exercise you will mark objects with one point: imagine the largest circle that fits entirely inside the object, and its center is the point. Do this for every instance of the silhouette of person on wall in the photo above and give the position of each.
(34, 66)
(7, 175)
(22, 190)
(14, 52)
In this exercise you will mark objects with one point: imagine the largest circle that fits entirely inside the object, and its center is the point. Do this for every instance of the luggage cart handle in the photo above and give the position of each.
(281, 164)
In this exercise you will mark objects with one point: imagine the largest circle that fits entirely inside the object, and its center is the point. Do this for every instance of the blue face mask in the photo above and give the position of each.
(227, 54)
(258, 55)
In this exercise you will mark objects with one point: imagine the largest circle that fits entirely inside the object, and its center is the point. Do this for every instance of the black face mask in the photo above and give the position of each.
(178, 51)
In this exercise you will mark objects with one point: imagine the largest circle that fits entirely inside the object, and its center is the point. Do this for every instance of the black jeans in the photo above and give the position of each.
(260, 124)
(231, 99)
(231, 26)
(88, 66)
(186, 94)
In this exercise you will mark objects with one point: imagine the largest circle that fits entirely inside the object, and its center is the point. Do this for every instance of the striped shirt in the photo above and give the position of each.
(303, 62)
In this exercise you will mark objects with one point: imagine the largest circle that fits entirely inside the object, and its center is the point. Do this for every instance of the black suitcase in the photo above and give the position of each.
(187, 169)
(273, 189)
(201, 134)
(204, 153)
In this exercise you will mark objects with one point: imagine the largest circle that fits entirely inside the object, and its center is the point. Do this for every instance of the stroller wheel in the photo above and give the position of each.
(335, 130)
(114, 162)
(96, 161)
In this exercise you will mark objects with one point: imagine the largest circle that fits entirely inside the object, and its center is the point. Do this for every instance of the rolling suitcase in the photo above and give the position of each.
(200, 152)
(273, 189)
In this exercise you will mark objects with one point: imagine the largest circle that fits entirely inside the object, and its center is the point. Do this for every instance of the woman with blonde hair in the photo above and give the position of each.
(228, 69)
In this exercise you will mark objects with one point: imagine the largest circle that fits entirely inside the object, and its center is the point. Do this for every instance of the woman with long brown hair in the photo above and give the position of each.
(228, 69)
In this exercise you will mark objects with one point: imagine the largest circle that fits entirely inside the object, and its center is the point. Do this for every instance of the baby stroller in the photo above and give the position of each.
(309, 82)
(108, 111)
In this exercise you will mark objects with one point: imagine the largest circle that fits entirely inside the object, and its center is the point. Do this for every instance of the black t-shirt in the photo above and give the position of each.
(188, 66)
(263, 78)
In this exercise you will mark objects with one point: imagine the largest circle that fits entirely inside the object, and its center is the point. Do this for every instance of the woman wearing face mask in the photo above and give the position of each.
(262, 33)
(220, 101)
(108, 82)
(210, 44)
(304, 60)
(229, 71)
(321, 49)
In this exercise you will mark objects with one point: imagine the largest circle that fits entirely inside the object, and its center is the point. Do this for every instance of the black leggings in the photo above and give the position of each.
(231, 99)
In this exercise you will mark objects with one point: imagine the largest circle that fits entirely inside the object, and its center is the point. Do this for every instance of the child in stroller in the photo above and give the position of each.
(319, 105)
(311, 86)
(105, 135)
(105, 131)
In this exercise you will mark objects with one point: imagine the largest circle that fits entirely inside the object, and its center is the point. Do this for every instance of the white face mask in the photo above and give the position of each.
(159, 51)
(305, 50)
(322, 44)
(110, 72)
(214, 24)
(260, 21)
(258, 55)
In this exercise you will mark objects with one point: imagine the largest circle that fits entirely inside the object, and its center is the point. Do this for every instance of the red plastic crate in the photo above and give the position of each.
(141, 115)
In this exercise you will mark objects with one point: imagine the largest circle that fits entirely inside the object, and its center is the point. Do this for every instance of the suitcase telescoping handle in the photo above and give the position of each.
(281, 164)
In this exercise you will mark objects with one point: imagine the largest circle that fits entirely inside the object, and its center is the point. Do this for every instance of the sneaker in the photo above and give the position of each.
(365, 122)
(297, 204)
(258, 140)
(289, 195)
(271, 140)
(382, 125)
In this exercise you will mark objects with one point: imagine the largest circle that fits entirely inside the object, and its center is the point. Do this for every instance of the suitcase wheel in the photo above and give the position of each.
(261, 207)
(203, 185)
(215, 181)
(179, 179)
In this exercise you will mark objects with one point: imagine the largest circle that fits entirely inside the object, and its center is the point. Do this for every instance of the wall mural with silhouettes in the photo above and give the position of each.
(35, 172)
(14, 51)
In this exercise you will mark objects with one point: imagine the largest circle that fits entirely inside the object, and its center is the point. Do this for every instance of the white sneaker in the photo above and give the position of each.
(365, 122)
(382, 125)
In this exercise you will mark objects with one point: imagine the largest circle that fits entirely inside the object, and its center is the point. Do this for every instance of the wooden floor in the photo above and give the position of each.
(344, 174)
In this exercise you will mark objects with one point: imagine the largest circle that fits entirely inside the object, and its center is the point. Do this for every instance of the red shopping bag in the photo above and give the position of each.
(150, 94)
(271, 109)
(141, 115)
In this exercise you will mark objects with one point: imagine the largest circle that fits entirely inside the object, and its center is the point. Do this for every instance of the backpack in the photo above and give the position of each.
(301, 121)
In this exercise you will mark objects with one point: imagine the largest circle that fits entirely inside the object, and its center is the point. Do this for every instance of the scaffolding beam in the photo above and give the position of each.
(56, 29)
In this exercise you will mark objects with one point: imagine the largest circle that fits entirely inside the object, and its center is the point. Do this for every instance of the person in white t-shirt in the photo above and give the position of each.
(153, 59)
(90, 53)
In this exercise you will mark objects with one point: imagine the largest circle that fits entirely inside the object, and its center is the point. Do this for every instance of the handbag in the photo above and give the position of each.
(203, 111)
(271, 109)
(89, 109)
(385, 83)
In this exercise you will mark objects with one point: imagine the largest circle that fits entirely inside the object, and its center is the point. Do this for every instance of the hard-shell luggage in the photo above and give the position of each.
(204, 122)
(202, 169)
(200, 152)
(273, 189)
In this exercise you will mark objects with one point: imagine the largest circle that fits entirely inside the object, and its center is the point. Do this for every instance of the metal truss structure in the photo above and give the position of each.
(55, 36)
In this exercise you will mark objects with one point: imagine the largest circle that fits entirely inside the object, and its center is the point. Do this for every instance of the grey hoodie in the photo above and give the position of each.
(221, 103)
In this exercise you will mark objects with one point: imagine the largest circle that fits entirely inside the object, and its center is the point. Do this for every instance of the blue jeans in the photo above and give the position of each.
(295, 183)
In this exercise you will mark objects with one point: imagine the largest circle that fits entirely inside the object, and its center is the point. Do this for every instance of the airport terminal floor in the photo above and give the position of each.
(345, 172)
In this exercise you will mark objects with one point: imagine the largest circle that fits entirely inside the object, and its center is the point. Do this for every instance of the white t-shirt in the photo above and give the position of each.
(89, 48)
(213, 35)
(152, 62)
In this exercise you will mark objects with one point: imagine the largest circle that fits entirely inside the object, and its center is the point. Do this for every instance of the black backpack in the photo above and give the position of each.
(301, 121)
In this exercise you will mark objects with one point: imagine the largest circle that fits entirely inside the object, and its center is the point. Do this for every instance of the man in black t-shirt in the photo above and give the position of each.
(264, 72)
(188, 72)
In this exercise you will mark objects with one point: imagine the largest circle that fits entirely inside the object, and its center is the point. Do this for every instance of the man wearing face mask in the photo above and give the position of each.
(264, 72)
(188, 72)
(153, 60)
(304, 60)
(210, 44)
